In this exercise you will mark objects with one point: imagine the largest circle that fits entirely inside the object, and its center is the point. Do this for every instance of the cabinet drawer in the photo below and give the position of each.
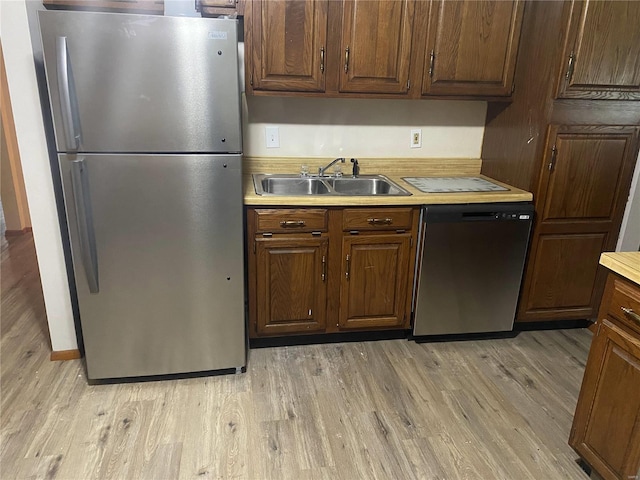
(377, 219)
(291, 220)
(624, 304)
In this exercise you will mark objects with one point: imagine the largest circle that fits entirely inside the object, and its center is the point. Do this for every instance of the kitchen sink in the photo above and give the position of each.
(279, 185)
(313, 185)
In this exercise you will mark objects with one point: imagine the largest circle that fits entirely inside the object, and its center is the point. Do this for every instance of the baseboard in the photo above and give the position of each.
(64, 355)
(15, 233)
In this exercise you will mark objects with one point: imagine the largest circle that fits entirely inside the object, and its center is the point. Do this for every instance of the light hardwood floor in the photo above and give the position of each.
(393, 409)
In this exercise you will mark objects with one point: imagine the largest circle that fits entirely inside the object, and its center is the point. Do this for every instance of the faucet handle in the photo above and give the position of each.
(356, 167)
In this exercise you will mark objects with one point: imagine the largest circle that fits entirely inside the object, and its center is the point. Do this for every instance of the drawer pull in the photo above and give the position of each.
(380, 221)
(631, 314)
(292, 223)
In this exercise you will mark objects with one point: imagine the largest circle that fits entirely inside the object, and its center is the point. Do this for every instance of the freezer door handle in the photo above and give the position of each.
(84, 219)
(64, 90)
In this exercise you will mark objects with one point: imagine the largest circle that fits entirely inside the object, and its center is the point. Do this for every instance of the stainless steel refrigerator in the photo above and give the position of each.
(146, 113)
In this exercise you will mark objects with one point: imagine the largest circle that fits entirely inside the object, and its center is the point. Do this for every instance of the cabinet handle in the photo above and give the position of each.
(554, 154)
(348, 266)
(324, 267)
(322, 59)
(572, 58)
(631, 314)
(292, 223)
(380, 221)
(346, 60)
(432, 58)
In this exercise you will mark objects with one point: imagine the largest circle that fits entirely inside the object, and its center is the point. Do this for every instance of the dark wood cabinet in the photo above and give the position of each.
(291, 285)
(472, 47)
(602, 51)
(579, 202)
(606, 425)
(329, 270)
(381, 48)
(376, 44)
(576, 153)
(376, 281)
(288, 42)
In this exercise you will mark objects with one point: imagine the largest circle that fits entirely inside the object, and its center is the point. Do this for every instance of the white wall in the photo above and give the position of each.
(629, 239)
(375, 128)
(21, 77)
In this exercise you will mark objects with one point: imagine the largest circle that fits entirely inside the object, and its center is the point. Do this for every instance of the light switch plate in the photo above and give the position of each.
(272, 137)
(416, 138)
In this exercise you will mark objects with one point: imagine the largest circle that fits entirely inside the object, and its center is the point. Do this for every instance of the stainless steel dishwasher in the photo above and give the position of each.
(471, 265)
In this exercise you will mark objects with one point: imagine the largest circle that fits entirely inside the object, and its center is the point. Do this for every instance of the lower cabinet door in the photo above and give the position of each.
(291, 285)
(606, 426)
(375, 280)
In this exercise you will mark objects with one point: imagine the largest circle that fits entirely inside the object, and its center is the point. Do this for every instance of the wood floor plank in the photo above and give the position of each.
(395, 409)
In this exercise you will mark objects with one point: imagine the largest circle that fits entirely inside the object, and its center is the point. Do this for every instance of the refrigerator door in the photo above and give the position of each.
(135, 83)
(157, 250)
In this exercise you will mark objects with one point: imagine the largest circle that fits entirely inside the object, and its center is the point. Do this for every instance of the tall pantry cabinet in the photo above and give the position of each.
(570, 135)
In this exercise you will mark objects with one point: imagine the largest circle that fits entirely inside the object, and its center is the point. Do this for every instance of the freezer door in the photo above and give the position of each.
(135, 83)
(157, 250)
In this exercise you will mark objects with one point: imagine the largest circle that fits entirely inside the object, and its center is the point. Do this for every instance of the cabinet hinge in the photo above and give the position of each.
(408, 85)
(254, 246)
(554, 154)
(251, 79)
(411, 242)
(513, 87)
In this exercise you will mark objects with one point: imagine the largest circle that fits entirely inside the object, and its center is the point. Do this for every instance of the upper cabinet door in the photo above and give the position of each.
(288, 45)
(376, 45)
(472, 47)
(602, 52)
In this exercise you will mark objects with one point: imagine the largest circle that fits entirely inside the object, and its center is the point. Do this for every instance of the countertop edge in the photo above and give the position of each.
(625, 264)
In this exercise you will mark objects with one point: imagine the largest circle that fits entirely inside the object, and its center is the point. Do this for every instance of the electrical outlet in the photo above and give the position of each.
(416, 138)
(272, 137)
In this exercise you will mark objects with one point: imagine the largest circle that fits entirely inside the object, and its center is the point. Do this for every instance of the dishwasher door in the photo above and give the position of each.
(472, 260)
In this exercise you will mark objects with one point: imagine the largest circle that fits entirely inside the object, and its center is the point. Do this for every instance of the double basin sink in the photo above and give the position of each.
(297, 185)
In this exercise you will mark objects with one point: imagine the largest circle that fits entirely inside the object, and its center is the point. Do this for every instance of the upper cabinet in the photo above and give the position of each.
(602, 52)
(288, 41)
(376, 43)
(382, 48)
(472, 47)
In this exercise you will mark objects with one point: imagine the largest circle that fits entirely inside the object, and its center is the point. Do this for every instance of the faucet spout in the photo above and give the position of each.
(321, 170)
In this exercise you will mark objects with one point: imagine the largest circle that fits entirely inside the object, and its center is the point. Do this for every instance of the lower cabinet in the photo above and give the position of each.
(291, 287)
(606, 426)
(329, 270)
(376, 281)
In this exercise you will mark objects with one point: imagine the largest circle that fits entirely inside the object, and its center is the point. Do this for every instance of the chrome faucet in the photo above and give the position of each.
(321, 170)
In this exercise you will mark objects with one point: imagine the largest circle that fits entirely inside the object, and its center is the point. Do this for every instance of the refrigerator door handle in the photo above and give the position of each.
(64, 90)
(84, 219)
